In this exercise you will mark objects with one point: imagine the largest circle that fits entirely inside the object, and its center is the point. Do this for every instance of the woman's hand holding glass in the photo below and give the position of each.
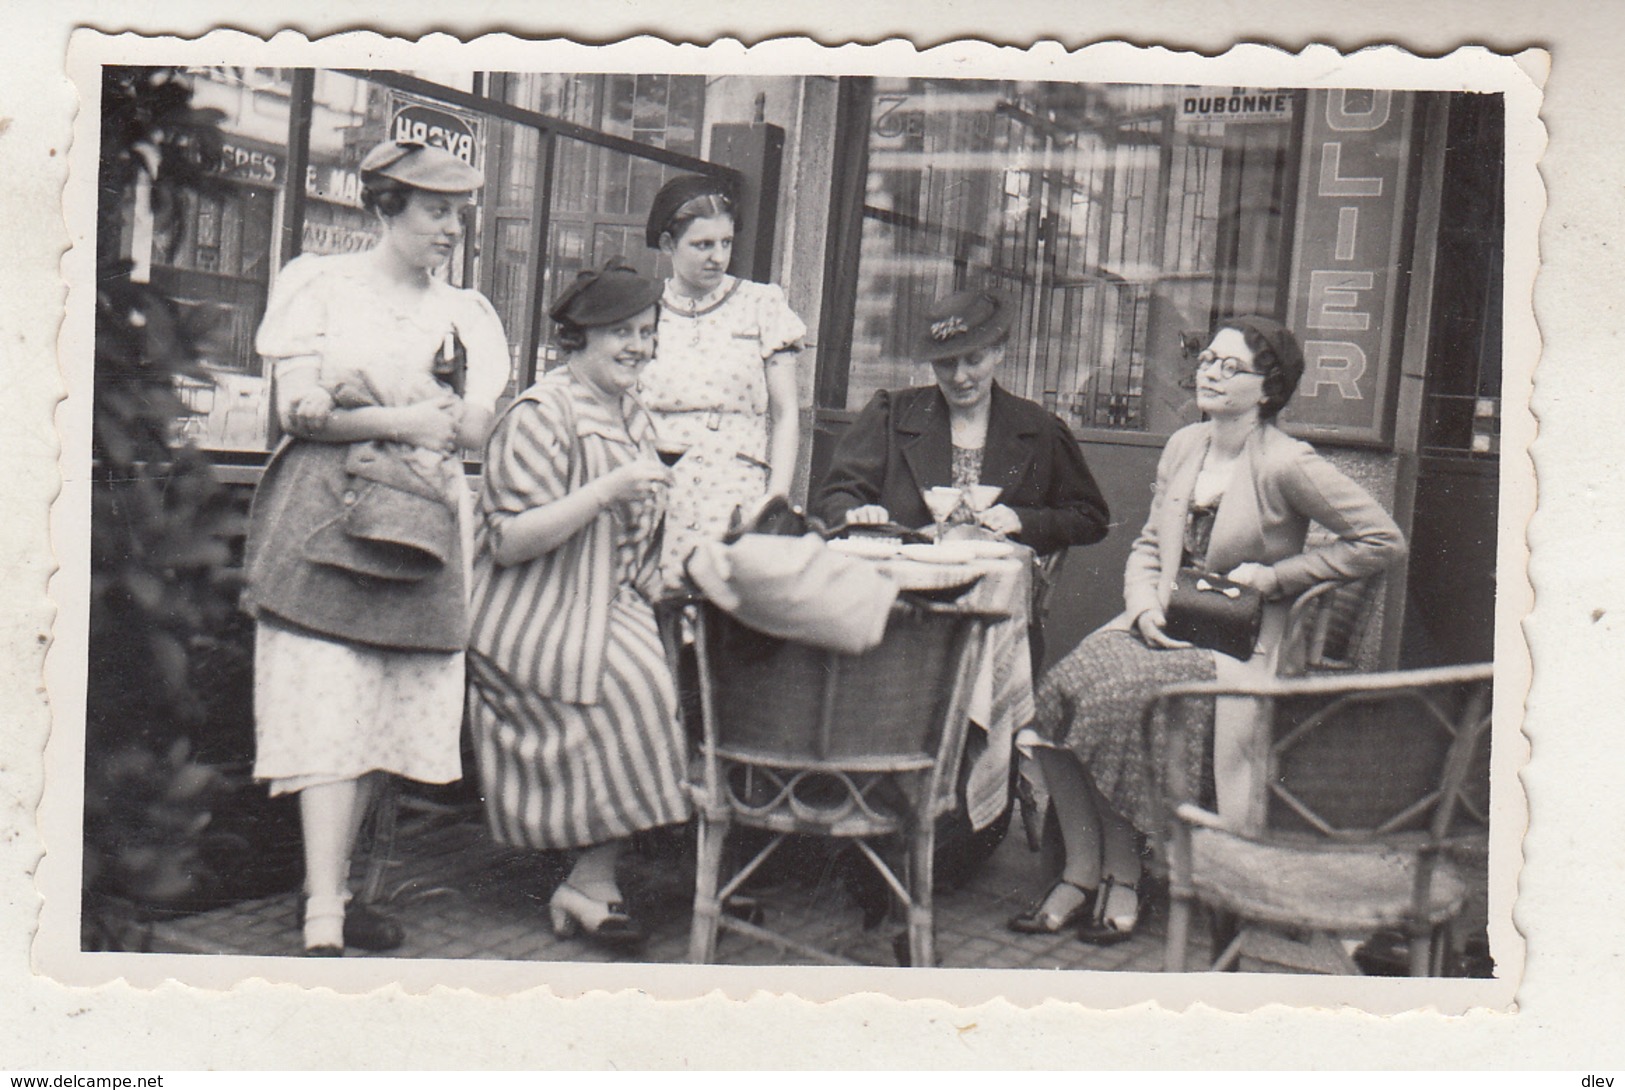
(632, 483)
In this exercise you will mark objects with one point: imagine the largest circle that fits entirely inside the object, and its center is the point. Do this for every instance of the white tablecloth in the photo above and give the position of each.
(1002, 701)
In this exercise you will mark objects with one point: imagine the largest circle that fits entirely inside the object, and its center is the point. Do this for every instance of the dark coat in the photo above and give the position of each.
(901, 444)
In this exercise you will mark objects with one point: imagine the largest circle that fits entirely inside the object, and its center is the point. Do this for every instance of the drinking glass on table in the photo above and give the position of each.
(980, 497)
(941, 501)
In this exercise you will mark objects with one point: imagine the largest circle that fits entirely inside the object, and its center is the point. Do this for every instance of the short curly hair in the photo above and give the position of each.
(570, 337)
(385, 196)
(1275, 353)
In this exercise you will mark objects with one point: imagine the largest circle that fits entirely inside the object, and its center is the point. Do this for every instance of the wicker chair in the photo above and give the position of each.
(803, 741)
(1328, 626)
(1373, 786)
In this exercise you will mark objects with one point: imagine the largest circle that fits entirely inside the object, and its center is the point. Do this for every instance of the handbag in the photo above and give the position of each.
(1210, 611)
(394, 524)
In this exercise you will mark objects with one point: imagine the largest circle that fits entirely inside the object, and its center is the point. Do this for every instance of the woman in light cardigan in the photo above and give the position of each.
(1234, 495)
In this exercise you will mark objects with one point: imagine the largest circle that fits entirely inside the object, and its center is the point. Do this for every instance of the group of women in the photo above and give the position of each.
(386, 597)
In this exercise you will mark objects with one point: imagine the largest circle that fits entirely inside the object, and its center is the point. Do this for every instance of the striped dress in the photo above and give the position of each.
(571, 701)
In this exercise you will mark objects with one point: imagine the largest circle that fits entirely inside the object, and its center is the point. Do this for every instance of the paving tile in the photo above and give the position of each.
(459, 895)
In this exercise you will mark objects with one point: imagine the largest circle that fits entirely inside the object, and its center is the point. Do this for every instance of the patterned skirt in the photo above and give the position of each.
(561, 775)
(1093, 702)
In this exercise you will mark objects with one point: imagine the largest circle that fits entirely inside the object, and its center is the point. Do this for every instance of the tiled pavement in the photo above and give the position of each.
(460, 896)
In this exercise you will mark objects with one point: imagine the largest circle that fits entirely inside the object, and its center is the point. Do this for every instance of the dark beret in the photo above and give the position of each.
(680, 191)
(600, 297)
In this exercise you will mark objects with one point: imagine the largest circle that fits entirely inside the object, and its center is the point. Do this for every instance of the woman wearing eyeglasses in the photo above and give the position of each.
(1234, 495)
(722, 386)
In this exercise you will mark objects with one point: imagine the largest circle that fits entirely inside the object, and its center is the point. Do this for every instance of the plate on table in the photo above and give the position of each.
(989, 550)
(944, 552)
(869, 548)
(932, 581)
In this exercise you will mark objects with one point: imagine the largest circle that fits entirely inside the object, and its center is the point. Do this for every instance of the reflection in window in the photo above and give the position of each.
(1115, 217)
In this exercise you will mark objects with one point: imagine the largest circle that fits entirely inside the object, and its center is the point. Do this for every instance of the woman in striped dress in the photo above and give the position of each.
(571, 701)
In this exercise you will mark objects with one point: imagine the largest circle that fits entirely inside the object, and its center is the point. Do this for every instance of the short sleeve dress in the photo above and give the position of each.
(571, 702)
(327, 709)
(707, 391)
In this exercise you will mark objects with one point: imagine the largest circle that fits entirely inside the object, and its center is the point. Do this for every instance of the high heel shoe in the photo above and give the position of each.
(365, 928)
(607, 922)
(323, 925)
(1036, 921)
(1105, 930)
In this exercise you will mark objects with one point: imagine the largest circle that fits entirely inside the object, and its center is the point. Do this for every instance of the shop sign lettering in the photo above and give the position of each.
(1240, 104)
(256, 165)
(437, 128)
(1345, 263)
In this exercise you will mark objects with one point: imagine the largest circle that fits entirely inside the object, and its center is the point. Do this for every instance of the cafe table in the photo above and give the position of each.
(1000, 576)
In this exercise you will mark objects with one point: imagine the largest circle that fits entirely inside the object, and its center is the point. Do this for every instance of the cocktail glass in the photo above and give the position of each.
(941, 502)
(670, 451)
(979, 497)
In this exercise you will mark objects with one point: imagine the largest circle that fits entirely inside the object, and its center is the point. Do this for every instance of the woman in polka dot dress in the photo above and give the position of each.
(722, 386)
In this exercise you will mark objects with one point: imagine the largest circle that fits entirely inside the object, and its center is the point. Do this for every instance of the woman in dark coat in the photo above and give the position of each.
(965, 430)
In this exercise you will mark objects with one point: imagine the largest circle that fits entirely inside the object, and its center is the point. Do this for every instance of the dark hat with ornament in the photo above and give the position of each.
(963, 322)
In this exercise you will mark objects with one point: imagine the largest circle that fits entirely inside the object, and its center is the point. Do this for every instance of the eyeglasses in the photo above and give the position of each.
(1229, 366)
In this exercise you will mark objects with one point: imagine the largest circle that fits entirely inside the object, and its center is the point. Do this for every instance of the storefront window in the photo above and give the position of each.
(227, 256)
(601, 195)
(1118, 219)
(221, 264)
(233, 242)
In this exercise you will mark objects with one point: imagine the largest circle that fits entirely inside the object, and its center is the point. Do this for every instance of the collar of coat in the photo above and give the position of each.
(1012, 424)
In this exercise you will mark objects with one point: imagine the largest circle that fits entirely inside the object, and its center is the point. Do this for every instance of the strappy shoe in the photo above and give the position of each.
(323, 925)
(573, 912)
(1036, 921)
(1104, 930)
(365, 928)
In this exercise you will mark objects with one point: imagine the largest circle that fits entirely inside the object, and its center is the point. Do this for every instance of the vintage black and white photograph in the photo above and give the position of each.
(1035, 518)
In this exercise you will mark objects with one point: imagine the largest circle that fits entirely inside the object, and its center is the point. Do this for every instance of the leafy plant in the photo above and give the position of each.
(161, 523)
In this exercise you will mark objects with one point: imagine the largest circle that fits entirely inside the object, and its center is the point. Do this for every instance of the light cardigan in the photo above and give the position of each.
(1280, 486)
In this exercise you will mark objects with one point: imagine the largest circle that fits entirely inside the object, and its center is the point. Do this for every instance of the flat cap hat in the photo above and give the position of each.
(600, 297)
(963, 322)
(421, 166)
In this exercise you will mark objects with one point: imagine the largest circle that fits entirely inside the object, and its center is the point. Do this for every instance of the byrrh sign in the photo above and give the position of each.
(1349, 245)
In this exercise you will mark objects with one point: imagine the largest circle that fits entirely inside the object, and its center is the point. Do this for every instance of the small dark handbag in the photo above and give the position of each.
(1210, 611)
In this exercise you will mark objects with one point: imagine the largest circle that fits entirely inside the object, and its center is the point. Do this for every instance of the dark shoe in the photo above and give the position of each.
(1036, 921)
(1103, 930)
(365, 928)
(607, 922)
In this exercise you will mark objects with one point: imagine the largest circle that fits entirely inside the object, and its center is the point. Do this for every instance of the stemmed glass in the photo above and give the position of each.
(941, 502)
(670, 451)
(979, 497)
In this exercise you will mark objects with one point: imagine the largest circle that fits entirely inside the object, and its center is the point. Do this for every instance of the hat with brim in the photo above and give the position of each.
(421, 166)
(963, 322)
(600, 297)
